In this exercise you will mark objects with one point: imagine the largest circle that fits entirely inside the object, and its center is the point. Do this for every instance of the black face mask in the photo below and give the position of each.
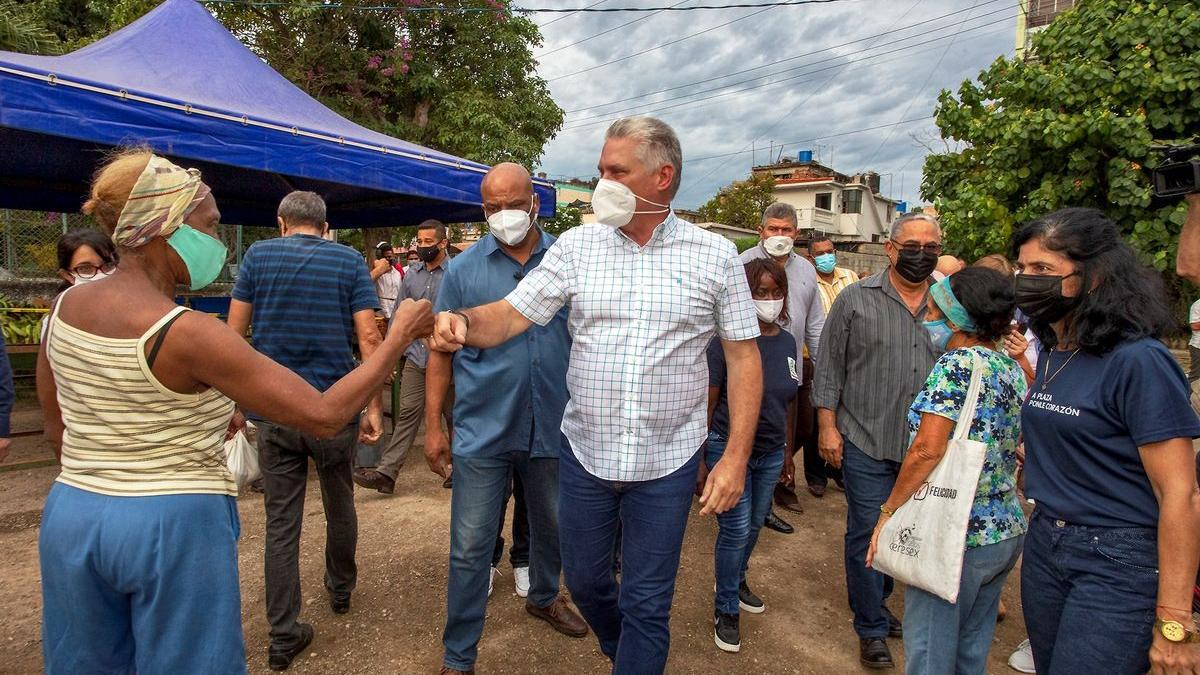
(428, 253)
(1040, 297)
(915, 266)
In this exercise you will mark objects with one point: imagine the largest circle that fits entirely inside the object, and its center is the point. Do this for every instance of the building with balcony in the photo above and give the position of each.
(847, 208)
(1033, 16)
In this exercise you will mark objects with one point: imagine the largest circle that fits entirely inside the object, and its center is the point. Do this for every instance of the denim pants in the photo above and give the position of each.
(739, 526)
(480, 493)
(518, 555)
(283, 455)
(940, 637)
(143, 585)
(868, 483)
(630, 619)
(1088, 595)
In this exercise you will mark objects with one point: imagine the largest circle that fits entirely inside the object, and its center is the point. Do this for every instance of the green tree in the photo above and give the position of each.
(1072, 126)
(22, 29)
(741, 203)
(463, 82)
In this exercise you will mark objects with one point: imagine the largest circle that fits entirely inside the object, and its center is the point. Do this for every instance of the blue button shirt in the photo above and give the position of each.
(509, 398)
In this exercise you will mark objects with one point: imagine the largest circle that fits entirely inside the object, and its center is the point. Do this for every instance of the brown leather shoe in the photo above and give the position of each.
(561, 616)
(785, 498)
(447, 670)
(374, 480)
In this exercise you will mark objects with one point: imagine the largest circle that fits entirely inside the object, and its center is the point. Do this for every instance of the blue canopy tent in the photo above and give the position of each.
(178, 81)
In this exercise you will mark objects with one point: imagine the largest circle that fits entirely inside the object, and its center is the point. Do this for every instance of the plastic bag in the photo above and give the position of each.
(242, 460)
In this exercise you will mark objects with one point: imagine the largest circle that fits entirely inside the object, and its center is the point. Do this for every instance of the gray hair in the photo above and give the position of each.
(439, 229)
(899, 223)
(658, 144)
(302, 208)
(779, 211)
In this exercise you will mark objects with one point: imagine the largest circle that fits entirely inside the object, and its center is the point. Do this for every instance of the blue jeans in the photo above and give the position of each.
(630, 619)
(477, 502)
(868, 483)
(140, 584)
(1088, 595)
(739, 526)
(943, 638)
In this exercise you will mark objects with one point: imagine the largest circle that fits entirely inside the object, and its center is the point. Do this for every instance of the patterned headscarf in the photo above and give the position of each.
(164, 195)
(951, 308)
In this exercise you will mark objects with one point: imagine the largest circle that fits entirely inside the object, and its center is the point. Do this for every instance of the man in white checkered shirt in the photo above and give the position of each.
(647, 293)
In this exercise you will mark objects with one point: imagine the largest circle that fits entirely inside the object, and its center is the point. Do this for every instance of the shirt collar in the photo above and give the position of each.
(488, 244)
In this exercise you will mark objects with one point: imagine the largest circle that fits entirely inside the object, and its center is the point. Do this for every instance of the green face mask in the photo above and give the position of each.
(203, 255)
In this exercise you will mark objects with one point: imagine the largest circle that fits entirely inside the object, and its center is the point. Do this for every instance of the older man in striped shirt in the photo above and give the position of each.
(647, 293)
(875, 355)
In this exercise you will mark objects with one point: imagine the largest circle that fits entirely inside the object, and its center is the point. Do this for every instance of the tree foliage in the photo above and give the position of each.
(462, 82)
(1072, 126)
(741, 203)
(22, 29)
(564, 219)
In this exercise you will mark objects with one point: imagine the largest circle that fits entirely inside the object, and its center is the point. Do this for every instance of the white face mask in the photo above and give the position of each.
(614, 203)
(779, 245)
(510, 225)
(79, 281)
(768, 310)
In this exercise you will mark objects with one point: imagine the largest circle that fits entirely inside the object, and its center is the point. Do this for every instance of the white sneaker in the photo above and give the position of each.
(1022, 659)
(521, 580)
(492, 580)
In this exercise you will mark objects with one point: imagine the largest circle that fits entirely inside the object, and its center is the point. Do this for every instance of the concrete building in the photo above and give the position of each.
(1034, 15)
(847, 208)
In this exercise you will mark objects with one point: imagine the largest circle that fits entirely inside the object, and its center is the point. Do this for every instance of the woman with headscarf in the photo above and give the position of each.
(138, 544)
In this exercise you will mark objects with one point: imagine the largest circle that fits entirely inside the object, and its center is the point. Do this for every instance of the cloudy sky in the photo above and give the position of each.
(835, 78)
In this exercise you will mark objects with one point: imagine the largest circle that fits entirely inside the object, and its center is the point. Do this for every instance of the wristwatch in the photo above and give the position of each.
(1176, 632)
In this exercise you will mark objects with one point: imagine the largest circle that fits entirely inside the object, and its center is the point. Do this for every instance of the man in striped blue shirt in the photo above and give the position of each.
(307, 297)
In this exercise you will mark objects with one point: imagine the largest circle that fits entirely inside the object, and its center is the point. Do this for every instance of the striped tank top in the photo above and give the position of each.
(126, 433)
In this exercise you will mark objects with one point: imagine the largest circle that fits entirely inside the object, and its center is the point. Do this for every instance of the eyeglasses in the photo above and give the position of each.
(913, 247)
(88, 270)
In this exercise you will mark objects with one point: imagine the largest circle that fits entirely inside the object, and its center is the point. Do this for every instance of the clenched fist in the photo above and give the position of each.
(411, 320)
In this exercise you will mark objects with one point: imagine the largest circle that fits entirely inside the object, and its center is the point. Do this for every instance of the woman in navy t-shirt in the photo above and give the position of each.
(1114, 540)
(740, 525)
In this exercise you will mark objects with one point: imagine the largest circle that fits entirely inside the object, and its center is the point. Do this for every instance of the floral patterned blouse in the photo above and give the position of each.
(996, 514)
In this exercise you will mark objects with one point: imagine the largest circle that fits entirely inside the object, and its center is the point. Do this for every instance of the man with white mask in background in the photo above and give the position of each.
(508, 408)
(647, 292)
(777, 239)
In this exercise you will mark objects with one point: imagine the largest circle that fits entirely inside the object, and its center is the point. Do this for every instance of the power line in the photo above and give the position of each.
(603, 32)
(657, 47)
(815, 138)
(566, 16)
(609, 116)
(797, 56)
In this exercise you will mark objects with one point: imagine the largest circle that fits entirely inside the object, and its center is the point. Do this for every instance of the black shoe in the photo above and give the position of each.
(895, 626)
(339, 602)
(726, 634)
(748, 601)
(448, 483)
(778, 524)
(817, 489)
(279, 658)
(874, 653)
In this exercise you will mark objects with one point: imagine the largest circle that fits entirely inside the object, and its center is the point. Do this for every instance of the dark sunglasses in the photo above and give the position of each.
(912, 247)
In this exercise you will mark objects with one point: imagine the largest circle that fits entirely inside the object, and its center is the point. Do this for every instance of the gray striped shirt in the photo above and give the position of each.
(874, 358)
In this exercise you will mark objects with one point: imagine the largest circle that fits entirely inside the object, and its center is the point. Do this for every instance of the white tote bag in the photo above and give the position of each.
(242, 460)
(923, 543)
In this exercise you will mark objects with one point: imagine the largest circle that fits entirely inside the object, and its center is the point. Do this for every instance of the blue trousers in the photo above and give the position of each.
(480, 493)
(943, 638)
(1088, 595)
(868, 483)
(738, 527)
(630, 619)
(145, 585)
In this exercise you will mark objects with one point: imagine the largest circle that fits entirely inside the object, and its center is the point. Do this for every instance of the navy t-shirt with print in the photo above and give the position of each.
(305, 291)
(780, 382)
(1082, 432)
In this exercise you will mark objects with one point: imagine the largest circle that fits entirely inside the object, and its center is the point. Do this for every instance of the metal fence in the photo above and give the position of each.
(30, 239)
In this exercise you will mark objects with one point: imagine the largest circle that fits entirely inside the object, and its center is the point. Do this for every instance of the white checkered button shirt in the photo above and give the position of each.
(641, 319)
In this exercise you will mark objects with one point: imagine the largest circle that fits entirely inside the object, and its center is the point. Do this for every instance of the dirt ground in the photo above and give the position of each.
(399, 608)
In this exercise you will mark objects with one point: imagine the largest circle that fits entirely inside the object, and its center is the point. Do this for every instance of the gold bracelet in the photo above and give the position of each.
(883, 508)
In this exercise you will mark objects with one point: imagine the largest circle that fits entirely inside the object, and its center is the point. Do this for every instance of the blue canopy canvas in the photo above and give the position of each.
(178, 81)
